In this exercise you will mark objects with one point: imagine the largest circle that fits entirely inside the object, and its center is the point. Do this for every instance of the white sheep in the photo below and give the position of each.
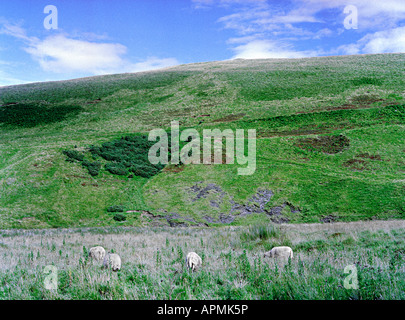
(193, 261)
(113, 261)
(283, 252)
(97, 253)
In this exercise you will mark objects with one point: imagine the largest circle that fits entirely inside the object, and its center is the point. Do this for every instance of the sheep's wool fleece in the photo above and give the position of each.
(193, 260)
(113, 261)
(97, 253)
(280, 252)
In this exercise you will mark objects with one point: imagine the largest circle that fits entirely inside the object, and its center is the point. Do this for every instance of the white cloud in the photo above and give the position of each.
(347, 49)
(384, 41)
(260, 26)
(15, 31)
(372, 14)
(266, 49)
(60, 54)
(323, 33)
(65, 55)
(205, 4)
(8, 80)
(153, 63)
(389, 41)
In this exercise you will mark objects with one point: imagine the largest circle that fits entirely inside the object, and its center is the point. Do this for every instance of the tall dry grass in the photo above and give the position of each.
(153, 262)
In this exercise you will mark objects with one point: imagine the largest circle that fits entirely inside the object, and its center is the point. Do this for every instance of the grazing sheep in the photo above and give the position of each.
(193, 261)
(97, 253)
(284, 252)
(113, 261)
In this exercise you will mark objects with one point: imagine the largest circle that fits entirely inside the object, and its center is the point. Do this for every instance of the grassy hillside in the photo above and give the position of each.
(330, 144)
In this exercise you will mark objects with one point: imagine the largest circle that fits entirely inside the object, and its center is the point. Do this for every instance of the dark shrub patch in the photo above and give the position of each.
(73, 155)
(116, 168)
(363, 81)
(92, 167)
(120, 217)
(33, 114)
(326, 144)
(144, 171)
(128, 154)
(125, 155)
(115, 208)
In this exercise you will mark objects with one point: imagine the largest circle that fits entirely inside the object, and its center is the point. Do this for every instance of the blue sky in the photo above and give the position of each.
(95, 37)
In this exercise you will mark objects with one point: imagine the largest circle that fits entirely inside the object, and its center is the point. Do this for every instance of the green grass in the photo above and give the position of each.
(32, 114)
(330, 144)
(90, 89)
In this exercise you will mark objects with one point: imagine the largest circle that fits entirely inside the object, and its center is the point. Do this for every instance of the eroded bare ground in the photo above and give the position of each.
(256, 204)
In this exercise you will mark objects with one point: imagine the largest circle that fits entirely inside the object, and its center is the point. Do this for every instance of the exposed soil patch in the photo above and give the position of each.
(231, 117)
(365, 99)
(348, 107)
(280, 220)
(223, 157)
(174, 168)
(256, 204)
(358, 102)
(177, 112)
(175, 220)
(300, 132)
(77, 176)
(202, 192)
(328, 219)
(355, 164)
(94, 101)
(277, 215)
(336, 234)
(326, 144)
(157, 220)
(369, 156)
(201, 116)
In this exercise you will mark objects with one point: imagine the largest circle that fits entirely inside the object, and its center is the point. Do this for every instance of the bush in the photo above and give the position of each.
(73, 155)
(120, 217)
(92, 167)
(116, 168)
(128, 154)
(32, 114)
(115, 208)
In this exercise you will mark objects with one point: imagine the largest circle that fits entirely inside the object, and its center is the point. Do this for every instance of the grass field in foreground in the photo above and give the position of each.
(153, 265)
